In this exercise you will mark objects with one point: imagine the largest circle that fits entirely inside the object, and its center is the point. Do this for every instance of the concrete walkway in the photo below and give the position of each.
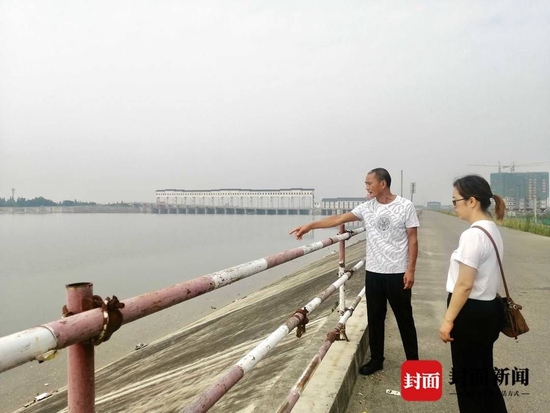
(526, 263)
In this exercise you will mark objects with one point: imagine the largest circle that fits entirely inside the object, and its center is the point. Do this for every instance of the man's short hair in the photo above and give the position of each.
(382, 175)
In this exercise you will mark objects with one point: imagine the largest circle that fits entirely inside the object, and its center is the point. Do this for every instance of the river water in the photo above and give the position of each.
(126, 255)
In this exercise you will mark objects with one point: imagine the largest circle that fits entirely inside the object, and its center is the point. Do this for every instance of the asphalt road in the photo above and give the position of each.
(527, 269)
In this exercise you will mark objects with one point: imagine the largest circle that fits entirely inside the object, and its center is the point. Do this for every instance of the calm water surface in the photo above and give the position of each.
(127, 255)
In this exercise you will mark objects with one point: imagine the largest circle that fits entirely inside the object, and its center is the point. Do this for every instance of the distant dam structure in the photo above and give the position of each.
(209, 210)
(236, 201)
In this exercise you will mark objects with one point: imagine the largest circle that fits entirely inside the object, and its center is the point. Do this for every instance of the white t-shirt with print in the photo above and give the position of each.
(476, 250)
(386, 227)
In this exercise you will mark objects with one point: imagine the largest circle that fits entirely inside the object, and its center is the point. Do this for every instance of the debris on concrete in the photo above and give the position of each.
(140, 346)
(48, 355)
(393, 392)
(42, 396)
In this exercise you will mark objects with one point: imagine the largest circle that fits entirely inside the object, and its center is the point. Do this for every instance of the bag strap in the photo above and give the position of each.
(499, 261)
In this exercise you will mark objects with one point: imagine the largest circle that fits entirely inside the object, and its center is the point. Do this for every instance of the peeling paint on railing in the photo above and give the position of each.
(302, 382)
(28, 345)
(228, 379)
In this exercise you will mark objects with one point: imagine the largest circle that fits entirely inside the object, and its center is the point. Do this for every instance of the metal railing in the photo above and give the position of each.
(332, 336)
(227, 380)
(84, 326)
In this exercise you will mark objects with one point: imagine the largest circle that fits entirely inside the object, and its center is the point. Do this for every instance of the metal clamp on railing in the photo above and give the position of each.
(301, 327)
(332, 336)
(112, 317)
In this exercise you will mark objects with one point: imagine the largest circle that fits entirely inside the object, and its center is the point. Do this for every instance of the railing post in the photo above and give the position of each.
(80, 357)
(341, 271)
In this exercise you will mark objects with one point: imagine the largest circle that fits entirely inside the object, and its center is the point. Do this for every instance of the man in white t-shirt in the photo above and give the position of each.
(392, 248)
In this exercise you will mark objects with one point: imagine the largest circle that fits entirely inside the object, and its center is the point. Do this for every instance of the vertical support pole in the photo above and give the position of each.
(534, 193)
(341, 271)
(80, 357)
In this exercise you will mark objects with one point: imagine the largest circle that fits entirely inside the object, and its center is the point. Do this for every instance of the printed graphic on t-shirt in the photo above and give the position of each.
(387, 239)
(383, 223)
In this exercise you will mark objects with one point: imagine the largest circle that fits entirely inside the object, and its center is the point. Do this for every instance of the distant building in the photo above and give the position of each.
(433, 205)
(341, 203)
(522, 190)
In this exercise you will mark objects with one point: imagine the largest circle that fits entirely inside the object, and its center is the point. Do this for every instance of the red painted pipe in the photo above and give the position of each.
(80, 357)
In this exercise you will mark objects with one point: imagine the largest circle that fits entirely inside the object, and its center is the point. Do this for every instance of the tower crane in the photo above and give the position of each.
(512, 166)
(493, 166)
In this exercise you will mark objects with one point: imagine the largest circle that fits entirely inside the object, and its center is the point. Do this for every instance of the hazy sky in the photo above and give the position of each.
(110, 100)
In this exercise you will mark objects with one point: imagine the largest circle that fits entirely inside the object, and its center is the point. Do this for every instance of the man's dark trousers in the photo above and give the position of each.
(381, 288)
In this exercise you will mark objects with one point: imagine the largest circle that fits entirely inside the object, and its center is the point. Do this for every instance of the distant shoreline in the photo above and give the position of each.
(77, 209)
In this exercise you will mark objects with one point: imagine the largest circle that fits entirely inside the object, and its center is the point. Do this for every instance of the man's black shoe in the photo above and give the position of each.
(371, 367)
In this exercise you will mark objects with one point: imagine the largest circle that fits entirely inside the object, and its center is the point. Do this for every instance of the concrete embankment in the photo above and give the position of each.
(170, 372)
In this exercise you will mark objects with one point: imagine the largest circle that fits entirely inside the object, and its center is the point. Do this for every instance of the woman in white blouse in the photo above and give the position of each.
(474, 315)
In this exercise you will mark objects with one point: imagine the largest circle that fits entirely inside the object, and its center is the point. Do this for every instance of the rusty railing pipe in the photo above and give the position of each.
(230, 377)
(306, 376)
(341, 270)
(80, 357)
(27, 345)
